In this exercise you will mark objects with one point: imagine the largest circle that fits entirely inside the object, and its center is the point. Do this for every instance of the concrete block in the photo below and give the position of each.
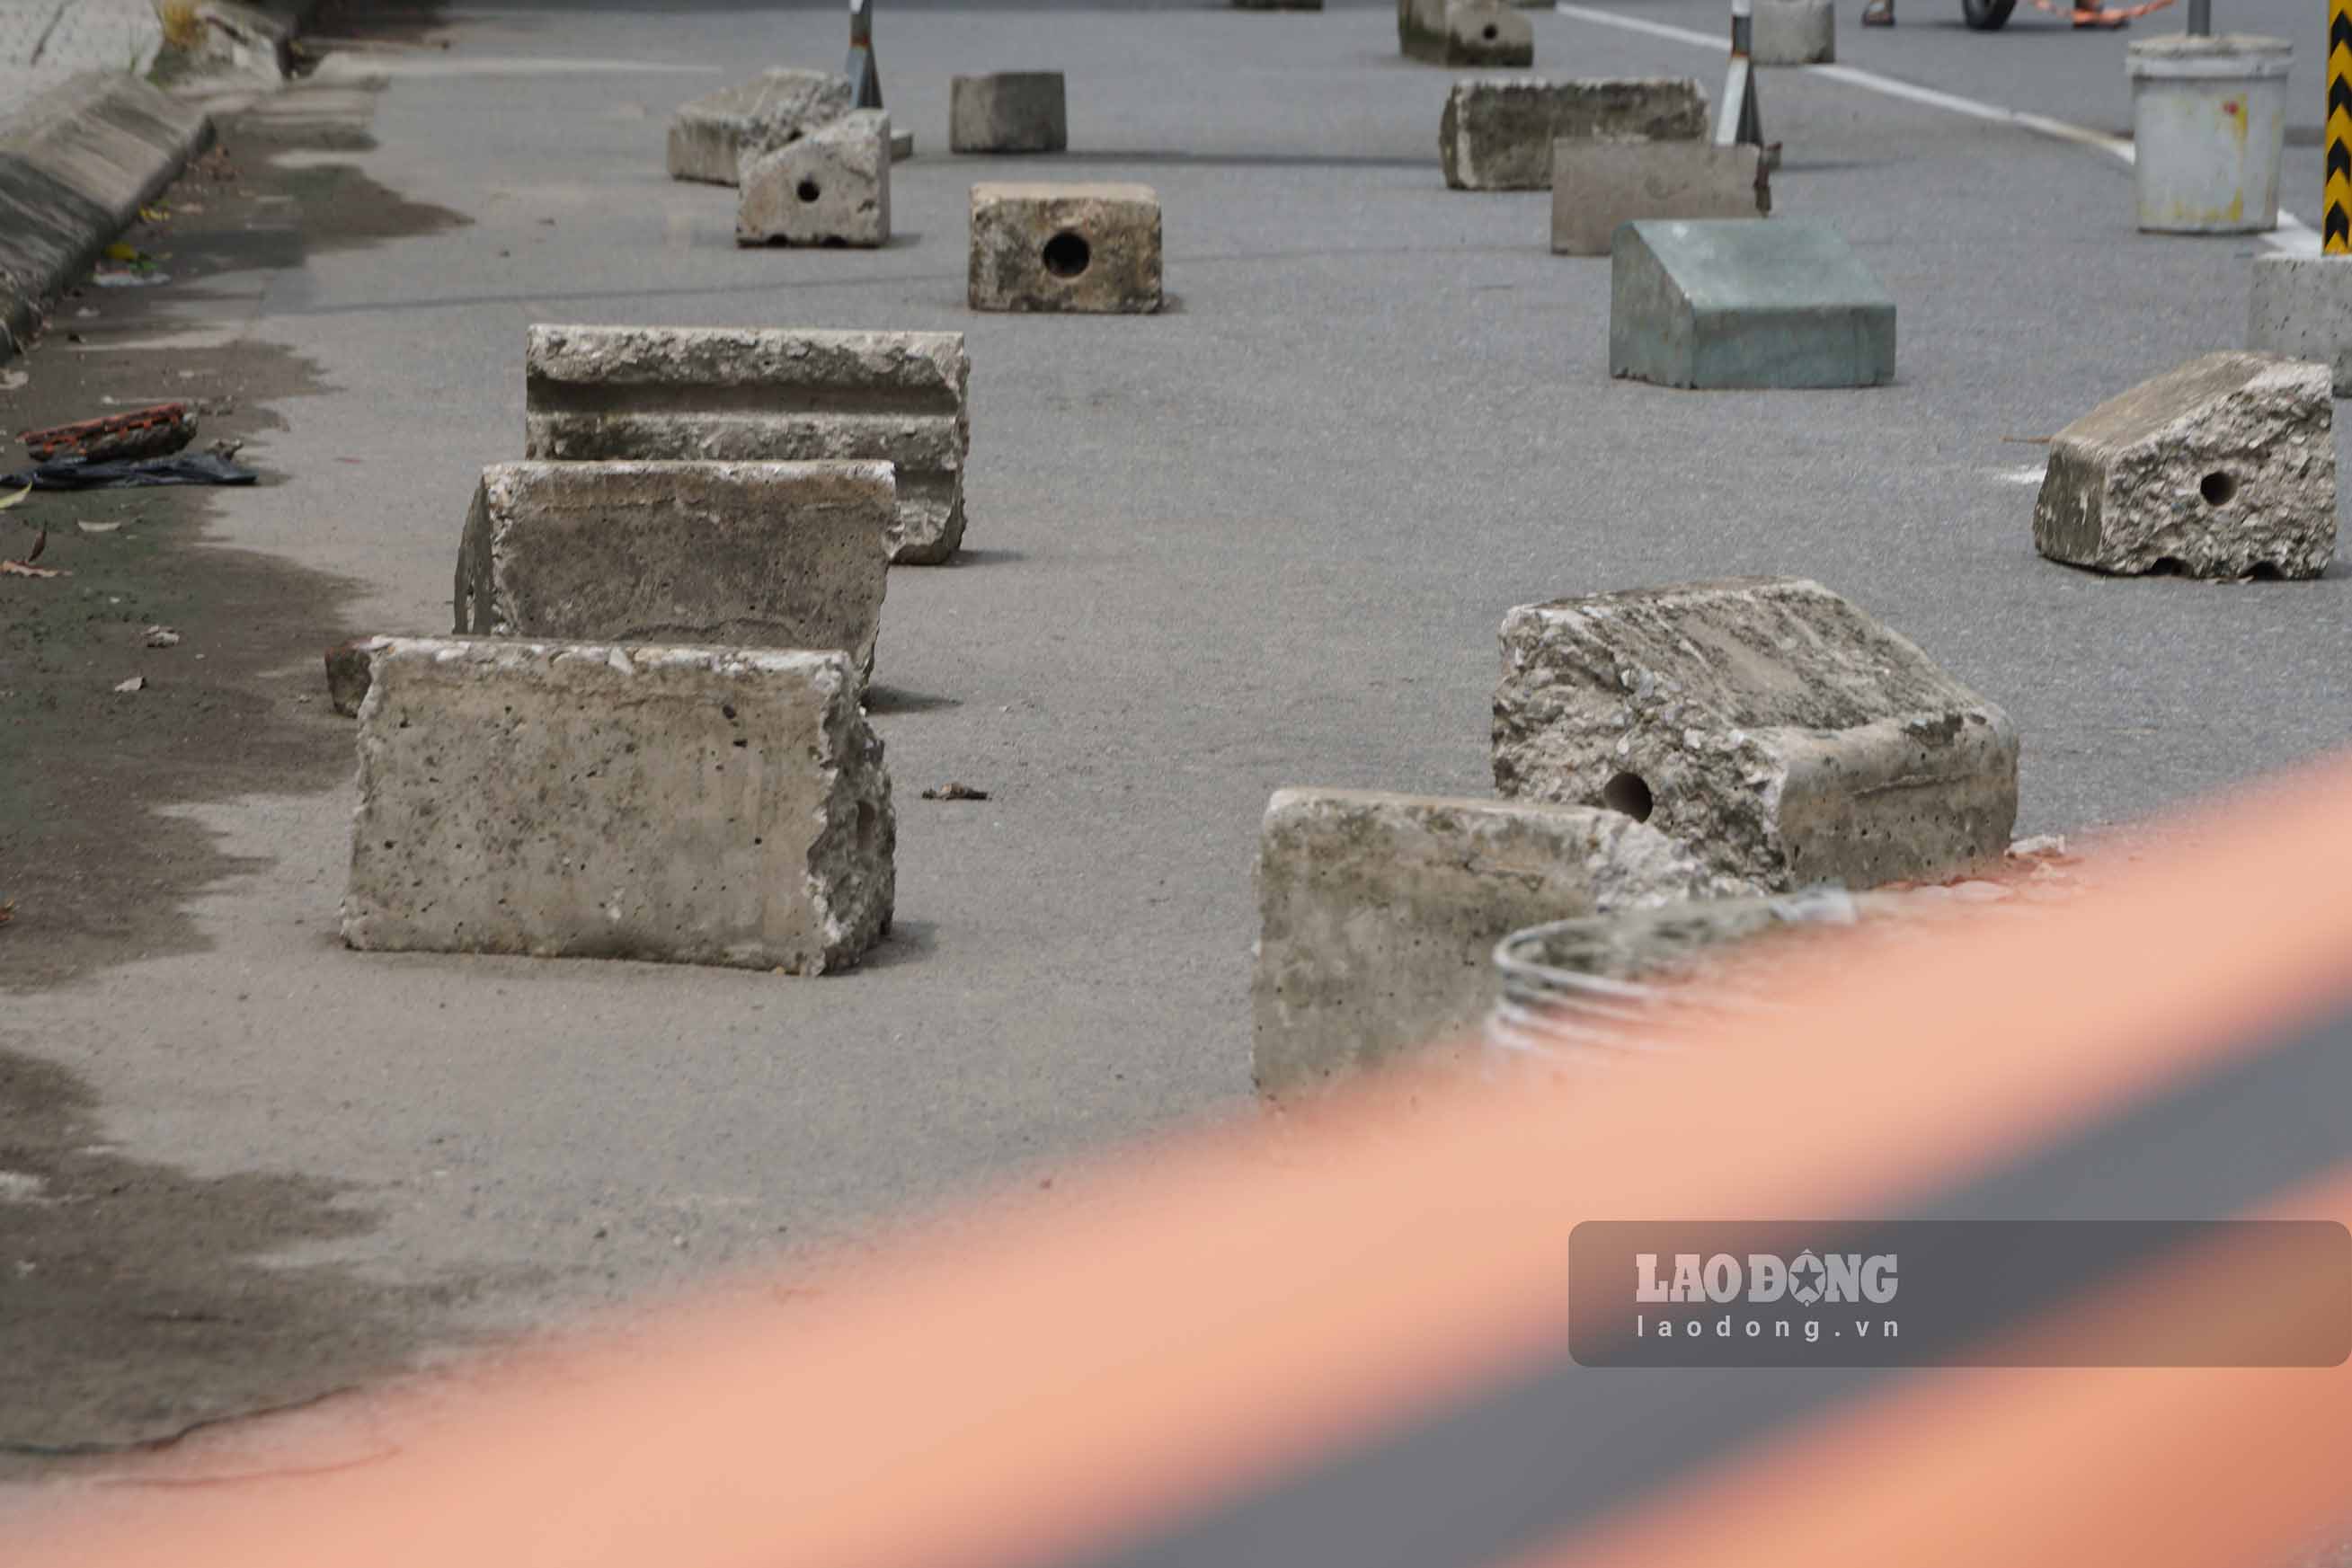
(829, 187)
(1464, 33)
(1731, 303)
(711, 137)
(1092, 249)
(1008, 111)
(1379, 913)
(690, 805)
(1497, 134)
(1774, 728)
(1792, 33)
(2224, 467)
(2302, 307)
(757, 554)
(1597, 185)
(763, 394)
(902, 146)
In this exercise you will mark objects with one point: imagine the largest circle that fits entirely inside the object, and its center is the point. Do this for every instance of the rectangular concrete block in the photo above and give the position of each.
(1597, 185)
(1069, 247)
(1731, 303)
(1008, 111)
(1379, 913)
(1481, 32)
(763, 394)
(2224, 467)
(758, 555)
(688, 805)
(710, 138)
(1792, 33)
(1497, 132)
(1774, 728)
(2302, 307)
(829, 187)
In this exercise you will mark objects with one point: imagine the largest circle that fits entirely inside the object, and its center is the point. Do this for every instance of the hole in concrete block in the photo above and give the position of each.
(1068, 254)
(1629, 793)
(1491, 33)
(2265, 571)
(808, 191)
(2169, 566)
(2218, 487)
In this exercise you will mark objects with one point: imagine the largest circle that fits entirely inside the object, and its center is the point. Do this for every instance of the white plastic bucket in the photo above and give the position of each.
(2209, 116)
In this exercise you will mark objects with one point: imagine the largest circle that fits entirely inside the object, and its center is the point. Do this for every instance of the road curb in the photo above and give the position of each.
(76, 164)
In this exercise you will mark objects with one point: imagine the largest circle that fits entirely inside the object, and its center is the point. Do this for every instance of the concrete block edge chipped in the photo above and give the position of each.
(765, 394)
(1379, 914)
(722, 806)
(1774, 728)
(758, 555)
(2221, 468)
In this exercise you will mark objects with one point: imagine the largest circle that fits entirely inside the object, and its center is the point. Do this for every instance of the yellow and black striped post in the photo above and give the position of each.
(2336, 210)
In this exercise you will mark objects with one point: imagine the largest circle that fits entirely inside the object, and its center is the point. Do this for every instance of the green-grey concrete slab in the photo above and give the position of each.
(1740, 303)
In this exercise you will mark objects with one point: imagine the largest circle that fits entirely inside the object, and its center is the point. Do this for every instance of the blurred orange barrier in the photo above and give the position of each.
(1342, 1337)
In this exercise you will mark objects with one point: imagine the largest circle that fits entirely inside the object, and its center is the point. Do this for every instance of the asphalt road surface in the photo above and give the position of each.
(1263, 539)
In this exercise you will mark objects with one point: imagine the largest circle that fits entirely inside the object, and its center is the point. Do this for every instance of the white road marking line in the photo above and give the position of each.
(2029, 475)
(2292, 235)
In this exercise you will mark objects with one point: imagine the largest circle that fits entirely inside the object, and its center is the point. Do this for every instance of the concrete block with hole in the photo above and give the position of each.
(756, 555)
(829, 187)
(1464, 33)
(1496, 132)
(585, 800)
(1008, 111)
(1379, 914)
(1070, 247)
(1597, 185)
(710, 138)
(1792, 33)
(2222, 467)
(763, 394)
(1734, 303)
(2302, 307)
(1777, 730)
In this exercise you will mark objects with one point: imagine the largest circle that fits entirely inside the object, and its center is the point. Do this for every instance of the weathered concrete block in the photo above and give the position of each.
(1730, 303)
(2302, 307)
(1464, 33)
(829, 187)
(1774, 728)
(1497, 134)
(756, 555)
(1008, 111)
(1596, 185)
(1792, 33)
(763, 394)
(1379, 913)
(1093, 248)
(711, 137)
(2224, 467)
(692, 805)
